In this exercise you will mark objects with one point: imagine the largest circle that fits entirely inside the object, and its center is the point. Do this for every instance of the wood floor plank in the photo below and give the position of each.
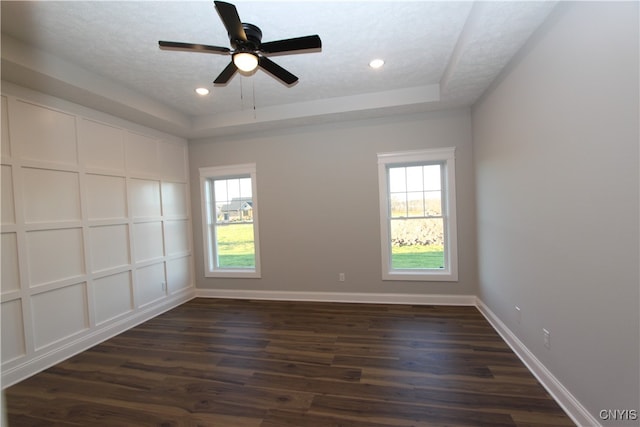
(337, 374)
(490, 385)
(281, 363)
(413, 365)
(279, 418)
(441, 397)
(380, 411)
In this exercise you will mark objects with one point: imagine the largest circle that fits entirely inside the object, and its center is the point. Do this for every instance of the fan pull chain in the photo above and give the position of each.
(253, 94)
(254, 98)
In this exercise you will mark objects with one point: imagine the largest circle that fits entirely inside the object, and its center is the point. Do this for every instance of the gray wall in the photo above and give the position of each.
(556, 158)
(318, 202)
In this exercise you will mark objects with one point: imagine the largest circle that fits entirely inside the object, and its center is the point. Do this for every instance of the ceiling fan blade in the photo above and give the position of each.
(277, 71)
(226, 74)
(229, 15)
(298, 43)
(190, 47)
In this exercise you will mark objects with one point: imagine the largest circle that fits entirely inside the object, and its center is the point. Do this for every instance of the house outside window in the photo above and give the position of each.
(418, 215)
(239, 209)
(230, 221)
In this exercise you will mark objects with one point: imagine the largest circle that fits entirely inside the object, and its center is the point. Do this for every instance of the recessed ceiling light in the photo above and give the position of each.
(202, 91)
(376, 63)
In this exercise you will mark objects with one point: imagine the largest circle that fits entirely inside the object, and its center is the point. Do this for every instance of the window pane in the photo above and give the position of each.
(398, 205)
(233, 189)
(415, 191)
(397, 180)
(414, 178)
(417, 243)
(220, 189)
(433, 203)
(235, 244)
(245, 187)
(416, 203)
(432, 175)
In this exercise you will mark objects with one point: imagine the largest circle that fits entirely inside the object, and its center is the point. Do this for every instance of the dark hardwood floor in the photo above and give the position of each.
(263, 363)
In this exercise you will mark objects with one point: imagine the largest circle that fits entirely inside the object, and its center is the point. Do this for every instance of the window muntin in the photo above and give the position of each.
(230, 221)
(417, 211)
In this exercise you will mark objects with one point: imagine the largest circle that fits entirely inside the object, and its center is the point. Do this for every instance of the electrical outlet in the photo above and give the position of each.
(341, 277)
(547, 338)
(518, 314)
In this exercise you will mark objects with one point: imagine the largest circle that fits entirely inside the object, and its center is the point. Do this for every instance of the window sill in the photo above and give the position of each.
(436, 276)
(233, 274)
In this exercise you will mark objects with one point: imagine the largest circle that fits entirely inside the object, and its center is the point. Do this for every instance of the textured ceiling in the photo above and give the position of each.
(438, 54)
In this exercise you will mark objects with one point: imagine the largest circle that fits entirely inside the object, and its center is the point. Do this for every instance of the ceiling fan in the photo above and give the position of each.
(248, 52)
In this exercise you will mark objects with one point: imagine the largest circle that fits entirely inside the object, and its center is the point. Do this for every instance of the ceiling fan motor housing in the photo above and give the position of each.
(254, 38)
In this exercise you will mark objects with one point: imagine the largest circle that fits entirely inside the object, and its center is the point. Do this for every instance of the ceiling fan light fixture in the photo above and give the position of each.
(202, 91)
(245, 61)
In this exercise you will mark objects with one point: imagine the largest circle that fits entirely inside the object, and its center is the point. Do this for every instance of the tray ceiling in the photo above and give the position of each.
(105, 55)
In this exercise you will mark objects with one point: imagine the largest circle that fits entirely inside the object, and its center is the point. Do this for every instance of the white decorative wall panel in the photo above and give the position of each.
(8, 208)
(151, 284)
(172, 161)
(10, 278)
(85, 205)
(6, 149)
(50, 195)
(112, 296)
(58, 314)
(145, 198)
(176, 235)
(148, 241)
(106, 197)
(142, 154)
(44, 134)
(178, 274)
(102, 146)
(174, 199)
(13, 344)
(109, 247)
(54, 255)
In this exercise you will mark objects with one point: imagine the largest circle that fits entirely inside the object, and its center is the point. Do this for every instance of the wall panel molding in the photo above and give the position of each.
(17, 372)
(84, 197)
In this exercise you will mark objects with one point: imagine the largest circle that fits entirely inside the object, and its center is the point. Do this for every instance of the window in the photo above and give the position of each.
(230, 221)
(417, 215)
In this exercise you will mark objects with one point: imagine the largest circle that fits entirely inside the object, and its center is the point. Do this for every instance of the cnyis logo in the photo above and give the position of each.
(619, 415)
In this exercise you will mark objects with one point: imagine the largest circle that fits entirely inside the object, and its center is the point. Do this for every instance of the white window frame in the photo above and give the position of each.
(407, 158)
(227, 172)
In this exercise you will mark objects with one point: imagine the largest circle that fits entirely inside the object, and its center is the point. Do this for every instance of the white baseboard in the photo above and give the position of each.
(349, 297)
(57, 354)
(578, 413)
